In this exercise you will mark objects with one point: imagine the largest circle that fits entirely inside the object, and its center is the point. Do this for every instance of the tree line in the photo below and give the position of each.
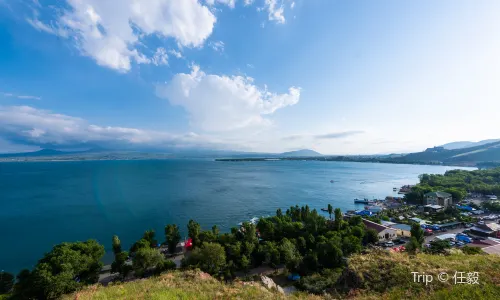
(299, 239)
(458, 183)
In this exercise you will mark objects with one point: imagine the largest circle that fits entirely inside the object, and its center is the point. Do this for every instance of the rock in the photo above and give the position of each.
(270, 284)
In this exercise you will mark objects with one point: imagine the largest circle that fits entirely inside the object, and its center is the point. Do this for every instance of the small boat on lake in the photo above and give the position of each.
(363, 201)
(331, 181)
(324, 209)
(395, 189)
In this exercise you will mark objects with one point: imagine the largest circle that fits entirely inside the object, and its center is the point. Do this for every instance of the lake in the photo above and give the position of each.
(45, 203)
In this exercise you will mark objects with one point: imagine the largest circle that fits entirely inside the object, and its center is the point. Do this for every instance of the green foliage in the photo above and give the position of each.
(492, 206)
(149, 236)
(413, 246)
(117, 244)
(438, 247)
(289, 255)
(140, 244)
(194, 230)
(330, 210)
(6, 282)
(471, 250)
(146, 259)
(370, 237)
(319, 283)
(338, 219)
(418, 233)
(172, 237)
(118, 265)
(270, 254)
(66, 268)
(210, 258)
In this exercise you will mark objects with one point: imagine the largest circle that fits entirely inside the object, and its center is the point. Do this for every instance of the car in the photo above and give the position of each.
(469, 225)
(389, 244)
(480, 222)
(451, 243)
(462, 234)
(460, 244)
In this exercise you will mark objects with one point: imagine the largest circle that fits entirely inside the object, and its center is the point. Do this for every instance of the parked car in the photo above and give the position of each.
(460, 244)
(389, 244)
(480, 222)
(451, 243)
(469, 225)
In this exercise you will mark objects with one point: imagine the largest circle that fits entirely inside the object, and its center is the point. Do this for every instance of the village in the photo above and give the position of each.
(463, 223)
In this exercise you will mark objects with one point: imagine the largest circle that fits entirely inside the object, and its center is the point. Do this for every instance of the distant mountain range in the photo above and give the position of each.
(466, 144)
(489, 152)
(301, 153)
(100, 153)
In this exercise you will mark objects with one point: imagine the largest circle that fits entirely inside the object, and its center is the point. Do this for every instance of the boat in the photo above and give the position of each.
(331, 181)
(363, 201)
(324, 209)
(395, 189)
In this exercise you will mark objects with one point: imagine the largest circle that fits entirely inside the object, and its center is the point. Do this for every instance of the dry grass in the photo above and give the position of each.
(382, 275)
(181, 285)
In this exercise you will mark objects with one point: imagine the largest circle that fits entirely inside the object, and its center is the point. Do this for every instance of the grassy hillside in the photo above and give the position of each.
(375, 275)
(182, 285)
(382, 275)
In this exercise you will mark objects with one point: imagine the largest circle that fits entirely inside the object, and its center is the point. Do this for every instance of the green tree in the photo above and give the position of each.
(172, 237)
(210, 258)
(413, 246)
(24, 286)
(438, 246)
(215, 230)
(140, 244)
(245, 263)
(146, 259)
(270, 254)
(149, 236)
(117, 245)
(418, 233)
(338, 219)
(330, 210)
(329, 254)
(6, 282)
(351, 244)
(289, 254)
(66, 268)
(119, 265)
(371, 236)
(194, 230)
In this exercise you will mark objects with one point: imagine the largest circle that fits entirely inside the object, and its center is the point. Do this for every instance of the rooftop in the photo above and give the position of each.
(377, 227)
(401, 227)
(438, 194)
(434, 206)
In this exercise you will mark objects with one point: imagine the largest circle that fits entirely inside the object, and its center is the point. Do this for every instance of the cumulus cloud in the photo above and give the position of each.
(222, 103)
(110, 31)
(175, 53)
(230, 3)
(32, 126)
(28, 97)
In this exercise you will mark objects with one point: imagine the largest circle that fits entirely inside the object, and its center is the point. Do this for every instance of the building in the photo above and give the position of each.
(384, 233)
(417, 220)
(402, 229)
(489, 229)
(431, 208)
(438, 198)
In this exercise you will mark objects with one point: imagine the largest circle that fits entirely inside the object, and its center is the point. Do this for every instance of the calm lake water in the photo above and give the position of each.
(45, 203)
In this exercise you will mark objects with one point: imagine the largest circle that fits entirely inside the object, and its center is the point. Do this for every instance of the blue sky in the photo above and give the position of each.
(264, 75)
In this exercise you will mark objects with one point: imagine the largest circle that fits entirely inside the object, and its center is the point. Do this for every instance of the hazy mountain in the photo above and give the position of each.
(300, 153)
(43, 152)
(467, 144)
(489, 152)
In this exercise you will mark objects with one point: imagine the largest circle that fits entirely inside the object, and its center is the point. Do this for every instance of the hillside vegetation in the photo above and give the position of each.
(377, 274)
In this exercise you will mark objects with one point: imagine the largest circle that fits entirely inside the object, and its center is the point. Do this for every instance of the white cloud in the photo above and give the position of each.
(110, 31)
(217, 46)
(275, 11)
(160, 57)
(221, 103)
(28, 125)
(26, 97)
(248, 2)
(175, 53)
(292, 5)
(230, 3)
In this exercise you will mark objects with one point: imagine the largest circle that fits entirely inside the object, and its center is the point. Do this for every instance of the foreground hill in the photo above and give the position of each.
(377, 274)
